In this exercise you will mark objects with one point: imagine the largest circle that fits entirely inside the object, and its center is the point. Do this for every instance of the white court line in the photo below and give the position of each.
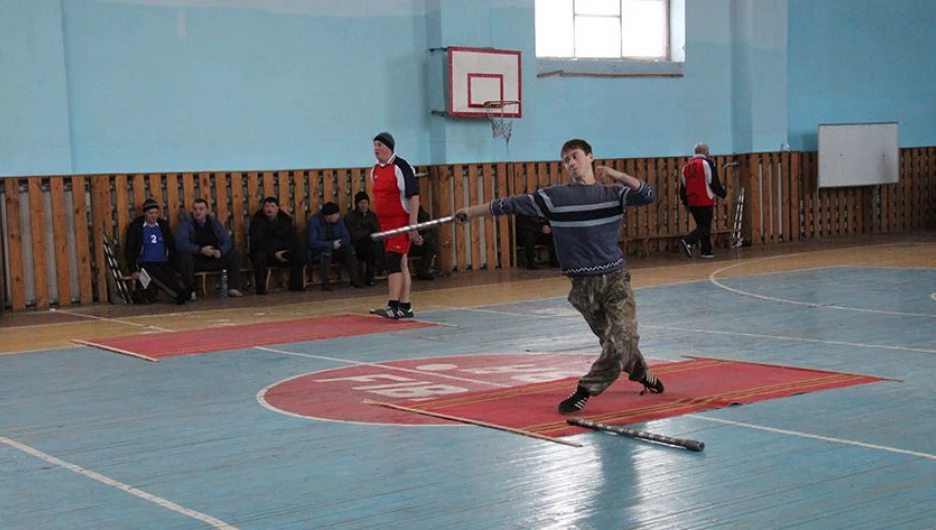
(169, 505)
(816, 437)
(509, 313)
(731, 333)
(117, 320)
(784, 337)
(714, 281)
(38, 350)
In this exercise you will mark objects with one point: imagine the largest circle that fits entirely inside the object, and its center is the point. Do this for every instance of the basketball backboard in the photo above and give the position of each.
(478, 75)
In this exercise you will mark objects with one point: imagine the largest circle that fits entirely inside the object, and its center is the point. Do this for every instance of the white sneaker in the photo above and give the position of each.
(687, 250)
(234, 293)
(193, 296)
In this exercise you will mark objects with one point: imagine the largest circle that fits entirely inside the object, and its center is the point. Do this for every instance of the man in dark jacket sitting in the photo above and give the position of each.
(275, 243)
(328, 239)
(202, 244)
(362, 222)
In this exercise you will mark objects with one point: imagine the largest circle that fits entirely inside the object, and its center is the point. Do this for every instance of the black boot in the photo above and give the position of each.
(575, 402)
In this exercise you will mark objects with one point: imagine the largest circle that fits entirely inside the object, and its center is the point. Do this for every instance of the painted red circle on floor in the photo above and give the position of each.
(337, 394)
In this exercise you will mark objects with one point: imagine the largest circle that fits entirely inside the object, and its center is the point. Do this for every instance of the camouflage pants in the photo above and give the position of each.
(607, 303)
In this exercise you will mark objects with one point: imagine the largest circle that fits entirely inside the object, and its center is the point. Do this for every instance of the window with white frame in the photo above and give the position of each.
(639, 30)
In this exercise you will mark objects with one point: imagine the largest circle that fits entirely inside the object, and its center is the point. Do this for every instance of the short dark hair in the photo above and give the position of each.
(576, 143)
(272, 199)
(199, 201)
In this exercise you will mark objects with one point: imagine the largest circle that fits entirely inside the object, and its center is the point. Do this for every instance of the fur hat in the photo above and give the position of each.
(386, 139)
(330, 208)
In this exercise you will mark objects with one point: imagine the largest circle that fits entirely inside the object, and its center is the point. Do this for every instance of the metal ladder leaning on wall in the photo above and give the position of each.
(737, 239)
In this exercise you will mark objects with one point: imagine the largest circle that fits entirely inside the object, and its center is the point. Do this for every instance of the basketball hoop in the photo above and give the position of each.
(501, 114)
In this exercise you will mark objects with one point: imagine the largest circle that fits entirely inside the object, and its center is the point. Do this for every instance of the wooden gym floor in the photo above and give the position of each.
(93, 439)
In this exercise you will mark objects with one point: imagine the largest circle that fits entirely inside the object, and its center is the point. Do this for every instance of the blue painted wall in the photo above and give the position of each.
(862, 61)
(185, 85)
(34, 125)
(291, 85)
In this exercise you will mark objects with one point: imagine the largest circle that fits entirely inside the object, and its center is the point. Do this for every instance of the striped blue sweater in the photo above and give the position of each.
(585, 222)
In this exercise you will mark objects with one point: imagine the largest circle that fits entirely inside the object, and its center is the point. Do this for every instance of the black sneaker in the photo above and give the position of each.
(708, 256)
(405, 313)
(651, 384)
(386, 312)
(575, 402)
(687, 250)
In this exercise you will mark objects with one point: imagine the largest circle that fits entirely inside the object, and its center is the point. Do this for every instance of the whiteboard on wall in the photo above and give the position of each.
(858, 154)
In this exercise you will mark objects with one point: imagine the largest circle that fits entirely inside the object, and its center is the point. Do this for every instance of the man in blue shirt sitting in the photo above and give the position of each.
(328, 239)
(150, 246)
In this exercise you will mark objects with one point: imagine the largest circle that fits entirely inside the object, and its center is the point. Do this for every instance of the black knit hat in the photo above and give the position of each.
(360, 196)
(386, 139)
(330, 208)
(149, 204)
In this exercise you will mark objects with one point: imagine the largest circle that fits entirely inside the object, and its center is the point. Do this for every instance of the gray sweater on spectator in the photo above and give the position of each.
(585, 222)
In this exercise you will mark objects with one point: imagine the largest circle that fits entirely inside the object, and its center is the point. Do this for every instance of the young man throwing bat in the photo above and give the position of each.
(585, 217)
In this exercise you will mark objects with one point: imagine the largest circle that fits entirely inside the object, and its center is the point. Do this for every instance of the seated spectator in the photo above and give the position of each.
(426, 252)
(328, 239)
(361, 223)
(275, 243)
(533, 231)
(149, 246)
(202, 244)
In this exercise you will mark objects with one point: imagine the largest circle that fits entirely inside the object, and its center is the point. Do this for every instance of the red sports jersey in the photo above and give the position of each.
(393, 184)
(697, 180)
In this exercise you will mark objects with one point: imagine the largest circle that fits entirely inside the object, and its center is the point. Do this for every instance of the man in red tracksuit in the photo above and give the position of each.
(396, 203)
(698, 186)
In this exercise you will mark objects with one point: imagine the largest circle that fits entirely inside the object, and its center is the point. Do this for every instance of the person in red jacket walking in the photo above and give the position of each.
(698, 186)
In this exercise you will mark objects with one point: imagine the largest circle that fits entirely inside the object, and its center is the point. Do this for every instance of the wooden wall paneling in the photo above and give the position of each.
(37, 226)
(61, 271)
(237, 223)
(220, 206)
(82, 244)
(123, 214)
(268, 183)
(283, 193)
(672, 196)
(477, 226)
(490, 225)
(253, 193)
(174, 206)
(188, 191)
(756, 178)
(14, 245)
(796, 207)
(328, 187)
(299, 201)
(506, 249)
(445, 181)
(458, 190)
